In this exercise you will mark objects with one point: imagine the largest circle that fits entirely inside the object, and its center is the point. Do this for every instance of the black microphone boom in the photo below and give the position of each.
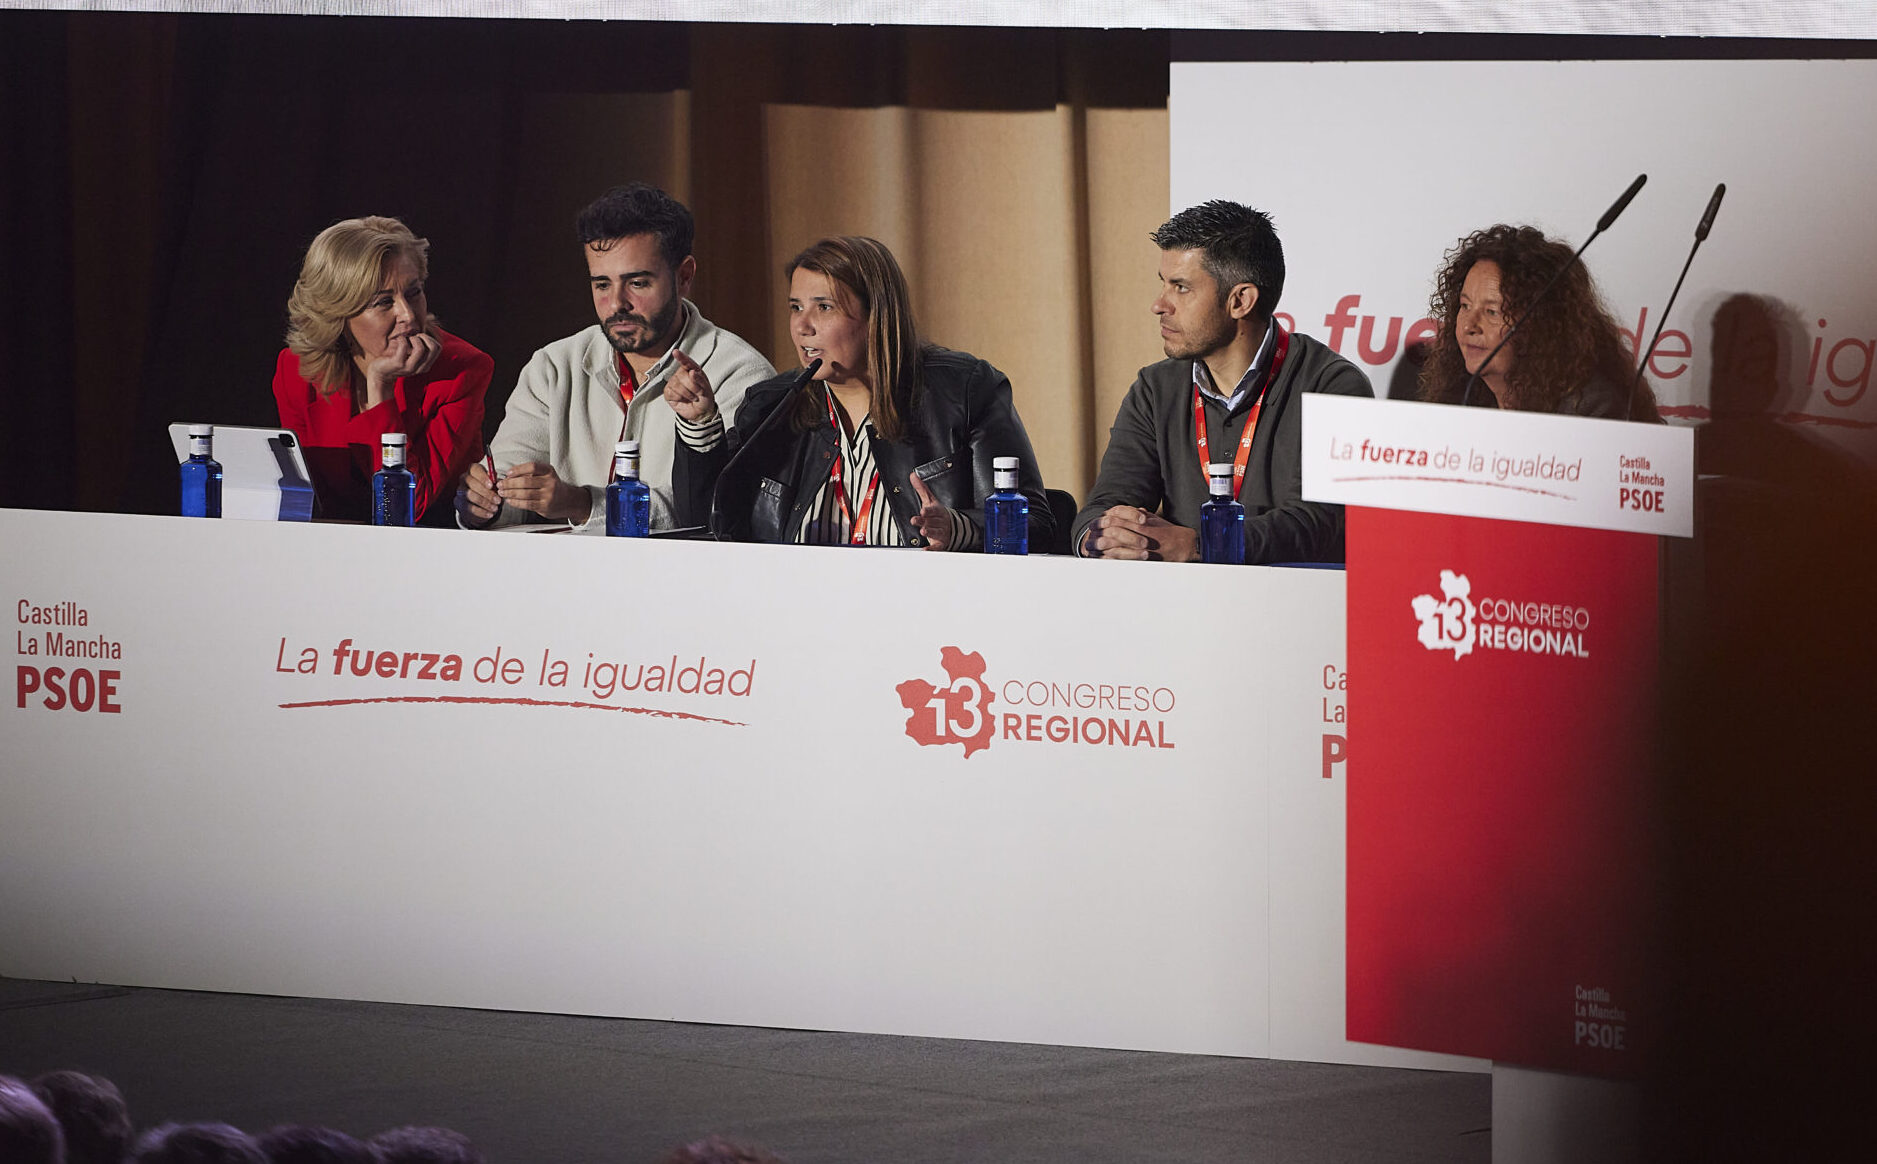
(1603, 224)
(1714, 208)
(1620, 205)
(801, 381)
(1701, 236)
(782, 406)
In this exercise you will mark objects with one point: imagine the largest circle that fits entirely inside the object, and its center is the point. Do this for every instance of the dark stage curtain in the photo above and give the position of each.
(164, 174)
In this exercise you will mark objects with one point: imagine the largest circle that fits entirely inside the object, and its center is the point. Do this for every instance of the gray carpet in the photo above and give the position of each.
(566, 1090)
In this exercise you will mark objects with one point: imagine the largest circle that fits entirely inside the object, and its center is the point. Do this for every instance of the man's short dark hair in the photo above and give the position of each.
(301, 1144)
(196, 1144)
(1239, 245)
(637, 208)
(29, 1132)
(425, 1146)
(92, 1113)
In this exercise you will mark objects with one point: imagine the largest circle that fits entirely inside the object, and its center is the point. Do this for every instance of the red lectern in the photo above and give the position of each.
(1503, 662)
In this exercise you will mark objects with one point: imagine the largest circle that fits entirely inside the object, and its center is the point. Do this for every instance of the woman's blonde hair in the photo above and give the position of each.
(345, 266)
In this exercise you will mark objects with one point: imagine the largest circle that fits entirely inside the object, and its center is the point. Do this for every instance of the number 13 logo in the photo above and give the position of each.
(1447, 622)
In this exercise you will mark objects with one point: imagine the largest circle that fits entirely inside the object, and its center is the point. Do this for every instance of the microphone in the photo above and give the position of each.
(814, 366)
(802, 380)
(1620, 205)
(1714, 208)
(1701, 236)
(717, 520)
(1603, 224)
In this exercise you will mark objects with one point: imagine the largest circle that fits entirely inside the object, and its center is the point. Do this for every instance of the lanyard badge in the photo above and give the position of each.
(1281, 349)
(856, 522)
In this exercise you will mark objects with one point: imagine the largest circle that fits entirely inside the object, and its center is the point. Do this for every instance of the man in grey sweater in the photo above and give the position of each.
(1228, 391)
(580, 395)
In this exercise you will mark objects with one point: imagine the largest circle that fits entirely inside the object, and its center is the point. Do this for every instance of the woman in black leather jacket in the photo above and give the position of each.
(879, 440)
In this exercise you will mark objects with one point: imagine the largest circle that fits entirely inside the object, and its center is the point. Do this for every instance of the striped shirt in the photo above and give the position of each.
(826, 523)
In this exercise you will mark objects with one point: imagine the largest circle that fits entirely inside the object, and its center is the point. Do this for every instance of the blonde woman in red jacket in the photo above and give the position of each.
(364, 357)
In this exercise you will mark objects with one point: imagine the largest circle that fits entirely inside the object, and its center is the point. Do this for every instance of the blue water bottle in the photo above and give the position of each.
(1006, 512)
(201, 475)
(393, 489)
(628, 499)
(1221, 520)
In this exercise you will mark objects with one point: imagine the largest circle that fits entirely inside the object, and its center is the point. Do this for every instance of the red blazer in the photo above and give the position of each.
(440, 412)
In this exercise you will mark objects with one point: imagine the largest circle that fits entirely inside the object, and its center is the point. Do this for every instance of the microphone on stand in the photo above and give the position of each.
(1701, 236)
(782, 406)
(1603, 224)
(807, 374)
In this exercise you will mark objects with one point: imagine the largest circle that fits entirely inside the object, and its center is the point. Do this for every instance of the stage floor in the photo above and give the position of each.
(571, 1090)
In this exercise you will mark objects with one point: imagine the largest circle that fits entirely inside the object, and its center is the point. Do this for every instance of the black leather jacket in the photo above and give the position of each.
(757, 484)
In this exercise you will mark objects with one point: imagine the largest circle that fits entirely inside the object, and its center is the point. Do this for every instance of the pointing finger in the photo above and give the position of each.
(919, 487)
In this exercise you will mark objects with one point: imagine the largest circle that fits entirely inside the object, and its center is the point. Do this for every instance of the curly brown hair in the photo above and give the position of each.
(1566, 348)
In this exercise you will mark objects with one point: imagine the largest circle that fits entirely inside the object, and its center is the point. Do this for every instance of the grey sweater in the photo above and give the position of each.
(1153, 460)
(565, 411)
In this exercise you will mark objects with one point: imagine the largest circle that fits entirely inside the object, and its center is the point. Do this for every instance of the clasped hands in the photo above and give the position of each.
(1131, 533)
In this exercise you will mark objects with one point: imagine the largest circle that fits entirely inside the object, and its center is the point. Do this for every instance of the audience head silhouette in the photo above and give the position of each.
(203, 1143)
(92, 1114)
(424, 1146)
(718, 1150)
(298, 1144)
(29, 1132)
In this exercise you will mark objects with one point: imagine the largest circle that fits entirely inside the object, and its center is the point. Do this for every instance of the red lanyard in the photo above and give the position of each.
(628, 383)
(628, 388)
(856, 523)
(1251, 418)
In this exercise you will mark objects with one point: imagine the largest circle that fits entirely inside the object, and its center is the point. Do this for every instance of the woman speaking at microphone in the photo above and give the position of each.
(364, 358)
(880, 441)
(1568, 356)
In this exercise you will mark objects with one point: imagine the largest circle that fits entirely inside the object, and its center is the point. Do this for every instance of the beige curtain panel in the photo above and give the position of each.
(1023, 230)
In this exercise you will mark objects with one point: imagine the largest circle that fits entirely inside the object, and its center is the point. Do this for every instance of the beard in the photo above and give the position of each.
(651, 332)
(1190, 345)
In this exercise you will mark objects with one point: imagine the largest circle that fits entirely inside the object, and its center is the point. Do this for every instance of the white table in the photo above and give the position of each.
(778, 853)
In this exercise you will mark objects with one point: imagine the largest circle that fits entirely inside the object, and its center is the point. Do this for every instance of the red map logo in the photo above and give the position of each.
(958, 712)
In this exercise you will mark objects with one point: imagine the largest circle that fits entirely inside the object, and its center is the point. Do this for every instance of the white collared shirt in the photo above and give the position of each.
(1202, 375)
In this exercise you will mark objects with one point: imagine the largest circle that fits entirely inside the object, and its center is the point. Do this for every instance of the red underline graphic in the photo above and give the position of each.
(1461, 481)
(1702, 412)
(518, 701)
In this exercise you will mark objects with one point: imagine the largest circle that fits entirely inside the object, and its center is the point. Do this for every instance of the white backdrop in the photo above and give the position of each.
(1777, 18)
(1373, 170)
(779, 853)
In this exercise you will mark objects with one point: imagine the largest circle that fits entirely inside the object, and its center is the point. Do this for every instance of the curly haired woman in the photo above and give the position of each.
(1569, 357)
